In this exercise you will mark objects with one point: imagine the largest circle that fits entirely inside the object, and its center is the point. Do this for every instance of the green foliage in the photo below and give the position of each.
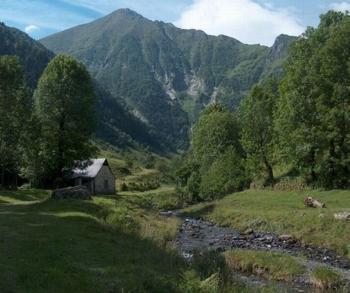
(32, 55)
(193, 186)
(191, 282)
(312, 118)
(214, 166)
(65, 107)
(216, 130)
(226, 175)
(256, 117)
(15, 107)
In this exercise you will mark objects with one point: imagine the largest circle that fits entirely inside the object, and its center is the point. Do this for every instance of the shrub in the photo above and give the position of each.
(226, 175)
(123, 187)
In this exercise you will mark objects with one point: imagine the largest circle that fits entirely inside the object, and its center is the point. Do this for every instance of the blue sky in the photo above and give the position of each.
(251, 21)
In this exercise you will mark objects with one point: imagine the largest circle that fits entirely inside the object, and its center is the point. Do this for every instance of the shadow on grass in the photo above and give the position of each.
(58, 246)
(24, 195)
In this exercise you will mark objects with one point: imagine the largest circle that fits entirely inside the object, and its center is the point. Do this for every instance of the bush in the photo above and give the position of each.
(143, 186)
(123, 187)
(226, 175)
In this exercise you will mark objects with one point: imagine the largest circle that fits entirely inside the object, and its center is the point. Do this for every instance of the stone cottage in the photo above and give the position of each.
(95, 174)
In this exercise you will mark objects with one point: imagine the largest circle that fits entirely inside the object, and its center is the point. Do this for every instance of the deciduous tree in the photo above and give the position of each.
(14, 110)
(65, 106)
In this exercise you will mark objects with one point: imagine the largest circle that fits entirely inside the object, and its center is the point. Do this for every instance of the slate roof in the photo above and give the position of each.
(87, 168)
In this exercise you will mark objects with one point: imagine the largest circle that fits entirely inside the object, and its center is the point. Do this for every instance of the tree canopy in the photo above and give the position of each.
(256, 119)
(14, 110)
(313, 120)
(65, 106)
(214, 166)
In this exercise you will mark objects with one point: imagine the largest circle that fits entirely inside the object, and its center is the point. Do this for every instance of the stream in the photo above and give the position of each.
(197, 235)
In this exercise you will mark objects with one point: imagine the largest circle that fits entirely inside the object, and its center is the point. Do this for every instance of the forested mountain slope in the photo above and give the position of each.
(164, 74)
(116, 125)
(33, 55)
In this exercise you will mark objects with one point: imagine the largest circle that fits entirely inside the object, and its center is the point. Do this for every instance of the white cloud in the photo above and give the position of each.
(51, 17)
(30, 28)
(101, 6)
(244, 20)
(342, 6)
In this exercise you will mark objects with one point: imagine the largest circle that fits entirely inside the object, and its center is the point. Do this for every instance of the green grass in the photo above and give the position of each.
(325, 278)
(269, 265)
(109, 244)
(283, 213)
(163, 198)
(22, 197)
(104, 245)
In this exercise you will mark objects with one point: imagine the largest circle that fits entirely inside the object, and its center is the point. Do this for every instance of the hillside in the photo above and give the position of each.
(33, 56)
(116, 124)
(167, 75)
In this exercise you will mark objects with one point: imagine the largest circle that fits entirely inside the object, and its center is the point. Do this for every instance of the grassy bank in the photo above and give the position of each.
(284, 213)
(269, 265)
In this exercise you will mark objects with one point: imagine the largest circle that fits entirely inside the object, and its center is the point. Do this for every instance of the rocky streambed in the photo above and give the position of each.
(197, 235)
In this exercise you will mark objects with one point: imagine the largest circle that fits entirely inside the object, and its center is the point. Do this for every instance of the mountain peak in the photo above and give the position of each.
(281, 46)
(126, 12)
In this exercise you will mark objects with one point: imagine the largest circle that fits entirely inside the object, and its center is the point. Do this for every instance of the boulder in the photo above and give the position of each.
(77, 192)
(344, 216)
(313, 203)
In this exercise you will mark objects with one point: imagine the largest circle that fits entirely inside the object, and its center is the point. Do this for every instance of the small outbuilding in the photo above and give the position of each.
(95, 174)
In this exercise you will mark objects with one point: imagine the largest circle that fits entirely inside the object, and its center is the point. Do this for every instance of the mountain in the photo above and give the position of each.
(33, 55)
(116, 125)
(164, 74)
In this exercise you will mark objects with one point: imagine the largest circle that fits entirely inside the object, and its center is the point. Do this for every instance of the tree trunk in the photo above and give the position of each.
(61, 145)
(270, 177)
(332, 166)
(2, 177)
(312, 165)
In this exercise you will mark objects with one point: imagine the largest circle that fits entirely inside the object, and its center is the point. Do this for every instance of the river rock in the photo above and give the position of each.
(286, 237)
(167, 214)
(267, 239)
(248, 231)
(344, 216)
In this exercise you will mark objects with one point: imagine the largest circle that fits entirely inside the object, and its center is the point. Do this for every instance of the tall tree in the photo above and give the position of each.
(216, 130)
(214, 167)
(65, 106)
(313, 113)
(257, 138)
(14, 109)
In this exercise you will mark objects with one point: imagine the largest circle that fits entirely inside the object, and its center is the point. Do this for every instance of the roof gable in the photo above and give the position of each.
(87, 168)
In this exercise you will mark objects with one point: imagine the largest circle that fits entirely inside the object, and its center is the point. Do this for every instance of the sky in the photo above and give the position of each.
(250, 21)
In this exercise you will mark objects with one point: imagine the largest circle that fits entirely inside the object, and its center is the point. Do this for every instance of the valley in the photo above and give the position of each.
(136, 156)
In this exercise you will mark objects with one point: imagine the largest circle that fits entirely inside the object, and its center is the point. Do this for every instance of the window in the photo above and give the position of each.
(106, 184)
